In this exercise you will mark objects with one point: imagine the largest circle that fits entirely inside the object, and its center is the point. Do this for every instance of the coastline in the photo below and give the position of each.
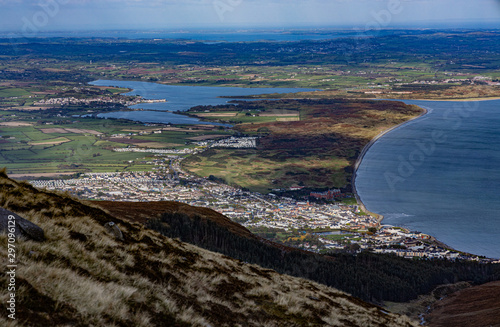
(362, 155)
(441, 100)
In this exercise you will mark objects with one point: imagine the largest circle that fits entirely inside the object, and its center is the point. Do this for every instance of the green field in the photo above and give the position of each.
(243, 117)
(254, 169)
(29, 150)
(13, 92)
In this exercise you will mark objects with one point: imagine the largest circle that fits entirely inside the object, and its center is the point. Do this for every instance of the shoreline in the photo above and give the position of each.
(461, 100)
(442, 100)
(365, 149)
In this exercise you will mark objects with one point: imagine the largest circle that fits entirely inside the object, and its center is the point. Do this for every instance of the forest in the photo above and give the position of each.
(374, 278)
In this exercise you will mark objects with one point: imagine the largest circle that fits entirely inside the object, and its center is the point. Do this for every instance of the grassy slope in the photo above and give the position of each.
(82, 276)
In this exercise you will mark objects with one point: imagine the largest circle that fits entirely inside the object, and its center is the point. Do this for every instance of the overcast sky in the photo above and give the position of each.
(45, 15)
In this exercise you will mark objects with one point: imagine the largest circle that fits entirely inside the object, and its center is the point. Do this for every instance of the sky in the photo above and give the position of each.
(48, 15)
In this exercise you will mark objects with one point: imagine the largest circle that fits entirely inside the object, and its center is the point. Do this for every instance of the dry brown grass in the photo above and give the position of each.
(82, 276)
(57, 141)
(15, 124)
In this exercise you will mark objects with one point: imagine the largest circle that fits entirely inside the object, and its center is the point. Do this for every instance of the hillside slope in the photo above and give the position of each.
(472, 307)
(81, 275)
(371, 277)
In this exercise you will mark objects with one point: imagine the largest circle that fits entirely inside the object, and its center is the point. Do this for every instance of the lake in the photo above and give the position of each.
(179, 98)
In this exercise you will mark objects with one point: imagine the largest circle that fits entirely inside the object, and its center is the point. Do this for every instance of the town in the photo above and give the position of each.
(101, 100)
(326, 227)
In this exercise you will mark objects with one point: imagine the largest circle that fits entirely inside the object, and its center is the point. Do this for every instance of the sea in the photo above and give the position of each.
(180, 98)
(440, 175)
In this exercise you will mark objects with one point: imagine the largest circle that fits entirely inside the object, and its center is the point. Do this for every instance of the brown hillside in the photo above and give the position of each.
(143, 211)
(81, 275)
(477, 306)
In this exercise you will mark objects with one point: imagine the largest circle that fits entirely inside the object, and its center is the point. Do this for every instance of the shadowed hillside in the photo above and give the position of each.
(372, 277)
(83, 275)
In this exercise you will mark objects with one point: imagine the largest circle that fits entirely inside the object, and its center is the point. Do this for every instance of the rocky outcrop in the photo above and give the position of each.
(114, 230)
(20, 227)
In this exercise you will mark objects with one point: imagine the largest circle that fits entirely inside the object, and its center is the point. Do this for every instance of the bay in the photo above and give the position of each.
(440, 174)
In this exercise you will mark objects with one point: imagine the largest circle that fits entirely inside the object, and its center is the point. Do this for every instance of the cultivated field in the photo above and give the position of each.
(34, 149)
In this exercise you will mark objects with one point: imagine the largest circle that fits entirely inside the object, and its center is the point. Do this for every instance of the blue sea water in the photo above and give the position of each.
(179, 98)
(440, 174)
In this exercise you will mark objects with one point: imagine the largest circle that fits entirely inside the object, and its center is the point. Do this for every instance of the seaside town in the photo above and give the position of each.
(88, 101)
(325, 227)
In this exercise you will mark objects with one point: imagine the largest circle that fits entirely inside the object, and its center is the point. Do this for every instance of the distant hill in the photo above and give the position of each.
(83, 274)
(372, 277)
